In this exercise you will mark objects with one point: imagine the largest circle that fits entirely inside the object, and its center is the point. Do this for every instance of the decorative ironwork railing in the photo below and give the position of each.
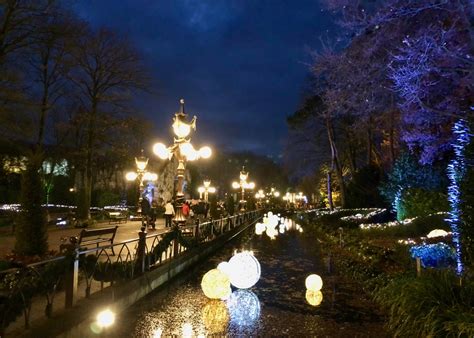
(33, 290)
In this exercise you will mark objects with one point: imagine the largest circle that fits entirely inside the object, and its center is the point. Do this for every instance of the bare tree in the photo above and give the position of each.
(108, 70)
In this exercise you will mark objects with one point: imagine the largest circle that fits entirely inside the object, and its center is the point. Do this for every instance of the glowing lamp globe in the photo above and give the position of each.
(201, 190)
(313, 282)
(161, 151)
(192, 156)
(224, 267)
(235, 185)
(314, 298)
(205, 152)
(131, 176)
(215, 284)
(105, 318)
(244, 271)
(212, 190)
(437, 233)
(181, 129)
(150, 176)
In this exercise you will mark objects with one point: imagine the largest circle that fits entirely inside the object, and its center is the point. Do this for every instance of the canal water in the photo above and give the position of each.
(276, 305)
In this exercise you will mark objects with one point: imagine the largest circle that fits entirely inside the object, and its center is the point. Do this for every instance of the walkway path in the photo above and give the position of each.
(128, 230)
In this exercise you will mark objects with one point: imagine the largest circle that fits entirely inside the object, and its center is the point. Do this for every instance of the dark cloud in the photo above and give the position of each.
(240, 65)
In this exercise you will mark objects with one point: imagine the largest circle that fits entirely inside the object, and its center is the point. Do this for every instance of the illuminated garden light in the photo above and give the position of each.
(313, 282)
(314, 298)
(456, 172)
(215, 284)
(105, 318)
(244, 270)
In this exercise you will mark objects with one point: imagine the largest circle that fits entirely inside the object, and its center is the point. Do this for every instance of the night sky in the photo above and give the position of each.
(240, 65)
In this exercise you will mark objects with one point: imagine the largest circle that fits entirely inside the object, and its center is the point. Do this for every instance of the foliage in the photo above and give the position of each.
(107, 198)
(420, 226)
(31, 231)
(362, 191)
(408, 173)
(433, 255)
(420, 202)
(467, 201)
(430, 306)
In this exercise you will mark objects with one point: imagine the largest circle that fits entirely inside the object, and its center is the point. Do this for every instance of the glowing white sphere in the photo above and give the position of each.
(235, 185)
(245, 270)
(215, 284)
(105, 318)
(150, 176)
(186, 149)
(212, 190)
(314, 298)
(224, 267)
(313, 282)
(181, 129)
(244, 308)
(437, 233)
(201, 190)
(205, 152)
(131, 176)
(161, 151)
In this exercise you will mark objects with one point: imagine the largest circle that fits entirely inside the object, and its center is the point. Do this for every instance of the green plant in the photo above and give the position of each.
(420, 226)
(419, 202)
(433, 305)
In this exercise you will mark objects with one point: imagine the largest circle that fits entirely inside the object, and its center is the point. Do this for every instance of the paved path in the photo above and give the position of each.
(128, 230)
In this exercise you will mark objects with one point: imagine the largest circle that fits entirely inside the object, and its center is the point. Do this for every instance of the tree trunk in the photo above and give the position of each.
(331, 206)
(369, 143)
(335, 161)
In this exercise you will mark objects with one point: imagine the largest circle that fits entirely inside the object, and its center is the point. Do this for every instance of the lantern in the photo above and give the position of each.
(244, 270)
(314, 298)
(313, 282)
(215, 284)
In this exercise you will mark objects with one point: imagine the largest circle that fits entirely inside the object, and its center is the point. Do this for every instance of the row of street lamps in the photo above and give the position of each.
(183, 150)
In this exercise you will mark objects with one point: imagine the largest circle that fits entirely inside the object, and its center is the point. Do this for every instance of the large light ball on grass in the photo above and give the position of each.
(215, 284)
(314, 298)
(244, 270)
(313, 282)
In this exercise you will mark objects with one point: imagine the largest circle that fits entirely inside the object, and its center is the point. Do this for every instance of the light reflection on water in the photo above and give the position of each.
(277, 305)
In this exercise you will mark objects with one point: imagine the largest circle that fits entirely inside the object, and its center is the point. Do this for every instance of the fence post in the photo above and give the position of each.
(141, 248)
(72, 276)
(418, 266)
(211, 223)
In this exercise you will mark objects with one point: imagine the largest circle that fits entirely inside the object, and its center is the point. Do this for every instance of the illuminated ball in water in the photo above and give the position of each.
(314, 298)
(224, 267)
(244, 270)
(313, 282)
(215, 284)
(215, 316)
(244, 308)
(105, 318)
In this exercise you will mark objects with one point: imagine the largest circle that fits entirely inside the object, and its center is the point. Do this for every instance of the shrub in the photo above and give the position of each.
(108, 198)
(430, 306)
(420, 226)
(419, 202)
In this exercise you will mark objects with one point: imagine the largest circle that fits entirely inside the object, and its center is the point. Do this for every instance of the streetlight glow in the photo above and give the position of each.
(161, 151)
(131, 176)
(106, 318)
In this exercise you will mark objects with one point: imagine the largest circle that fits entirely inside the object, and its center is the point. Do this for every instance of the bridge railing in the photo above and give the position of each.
(37, 289)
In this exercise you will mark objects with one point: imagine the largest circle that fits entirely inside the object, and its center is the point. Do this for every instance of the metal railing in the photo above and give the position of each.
(33, 290)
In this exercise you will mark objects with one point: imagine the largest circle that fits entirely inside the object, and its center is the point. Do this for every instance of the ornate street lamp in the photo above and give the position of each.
(142, 176)
(243, 185)
(206, 189)
(183, 151)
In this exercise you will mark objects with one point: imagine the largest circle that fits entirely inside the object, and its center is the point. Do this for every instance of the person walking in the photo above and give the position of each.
(145, 210)
(169, 213)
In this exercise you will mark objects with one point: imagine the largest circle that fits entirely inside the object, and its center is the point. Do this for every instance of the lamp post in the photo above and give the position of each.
(206, 189)
(141, 175)
(243, 185)
(183, 151)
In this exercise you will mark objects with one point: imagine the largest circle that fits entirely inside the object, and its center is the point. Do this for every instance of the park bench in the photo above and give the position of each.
(116, 216)
(98, 236)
